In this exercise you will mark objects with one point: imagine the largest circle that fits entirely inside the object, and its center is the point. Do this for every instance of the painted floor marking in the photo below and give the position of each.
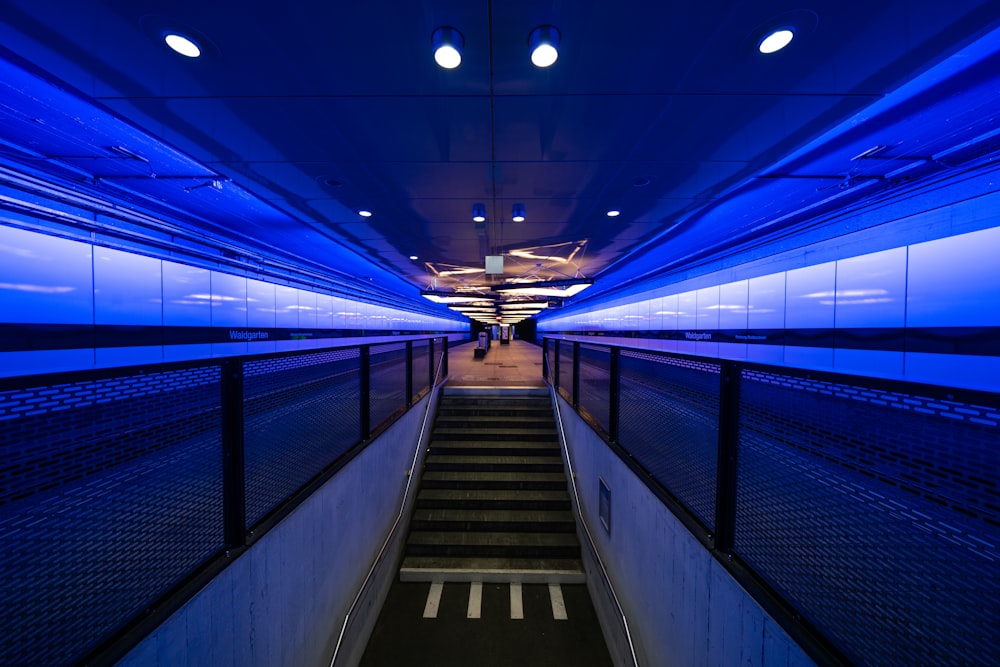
(475, 600)
(516, 602)
(558, 605)
(433, 600)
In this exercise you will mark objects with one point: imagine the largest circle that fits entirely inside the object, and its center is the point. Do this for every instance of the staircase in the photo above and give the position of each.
(493, 504)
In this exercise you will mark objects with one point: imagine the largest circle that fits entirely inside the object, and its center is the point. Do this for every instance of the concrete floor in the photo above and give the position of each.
(518, 364)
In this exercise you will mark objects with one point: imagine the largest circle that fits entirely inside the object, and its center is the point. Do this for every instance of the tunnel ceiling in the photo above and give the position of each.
(300, 114)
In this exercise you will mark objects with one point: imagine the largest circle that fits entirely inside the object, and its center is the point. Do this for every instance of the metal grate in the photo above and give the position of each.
(566, 368)
(111, 495)
(421, 366)
(875, 514)
(669, 424)
(300, 414)
(595, 387)
(388, 381)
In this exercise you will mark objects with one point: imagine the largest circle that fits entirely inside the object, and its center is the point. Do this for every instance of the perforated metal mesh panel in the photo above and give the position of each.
(669, 424)
(388, 381)
(550, 360)
(110, 493)
(421, 366)
(595, 386)
(875, 513)
(566, 368)
(300, 414)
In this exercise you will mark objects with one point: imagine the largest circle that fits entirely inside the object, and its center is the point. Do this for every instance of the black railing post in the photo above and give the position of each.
(430, 364)
(576, 374)
(444, 359)
(614, 394)
(409, 373)
(365, 397)
(233, 486)
(545, 359)
(725, 485)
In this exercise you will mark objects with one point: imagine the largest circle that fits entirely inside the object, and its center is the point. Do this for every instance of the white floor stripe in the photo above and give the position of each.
(558, 605)
(433, 600)
(475, 600)
(516, 602)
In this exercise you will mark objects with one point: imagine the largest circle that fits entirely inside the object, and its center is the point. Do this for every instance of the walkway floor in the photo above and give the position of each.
(518, 364)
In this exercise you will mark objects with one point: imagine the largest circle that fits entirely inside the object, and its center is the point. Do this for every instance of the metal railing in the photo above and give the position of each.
(808, 486)
(125, 490)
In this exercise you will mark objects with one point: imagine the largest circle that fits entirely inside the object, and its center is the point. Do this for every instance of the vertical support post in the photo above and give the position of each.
(576, 374)
(409, 373)
(545, 359)
(444, 359)
(233, 486)
(725, 485)
(430, 363)
(365, 402)
(614, 394)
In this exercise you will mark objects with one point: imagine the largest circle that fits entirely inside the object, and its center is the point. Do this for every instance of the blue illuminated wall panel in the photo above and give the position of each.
(66, 304)
(733, 300)
(44, 279)
(128, 293)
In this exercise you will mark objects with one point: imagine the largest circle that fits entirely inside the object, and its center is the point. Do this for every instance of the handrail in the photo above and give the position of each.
(395, 525)
(586, 528)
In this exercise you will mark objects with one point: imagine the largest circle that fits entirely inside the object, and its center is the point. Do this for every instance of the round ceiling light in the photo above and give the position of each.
(544, 44)
(614, 213)
(776, 40)
(183, 45)
(448, 44)
(364, 213)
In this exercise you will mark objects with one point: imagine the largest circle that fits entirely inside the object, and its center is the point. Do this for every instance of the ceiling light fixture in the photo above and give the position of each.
(451, 297)
(517, 213)
(544, 44)
(183, 45)
(364, 213)
(614, 213)
(776, 40)
(448, 45)
(556, 288)
(479, 213)
(413, 258)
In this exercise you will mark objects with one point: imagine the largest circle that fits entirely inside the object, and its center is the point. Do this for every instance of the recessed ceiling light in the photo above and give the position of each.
(413, 258)
(517, 213)
(614, 213)
(365, 213)
(182, 45)
(776, 40)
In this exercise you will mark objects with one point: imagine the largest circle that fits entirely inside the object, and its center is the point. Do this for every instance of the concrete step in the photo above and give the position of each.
(493, 570)
(494, 411)
(510, 433)
(437, 462)
(493, 448)
(493, 520)
(493, 544)
(518, 421)
(492, 499)
(530, 481)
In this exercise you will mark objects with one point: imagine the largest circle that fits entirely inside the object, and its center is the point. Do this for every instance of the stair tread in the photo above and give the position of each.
(497, 495)
(511, 431)
(459, 459)
(487, 445)
(492, 538)
(493, 515)
(532, 418)
(490, 475)
(486, 563)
